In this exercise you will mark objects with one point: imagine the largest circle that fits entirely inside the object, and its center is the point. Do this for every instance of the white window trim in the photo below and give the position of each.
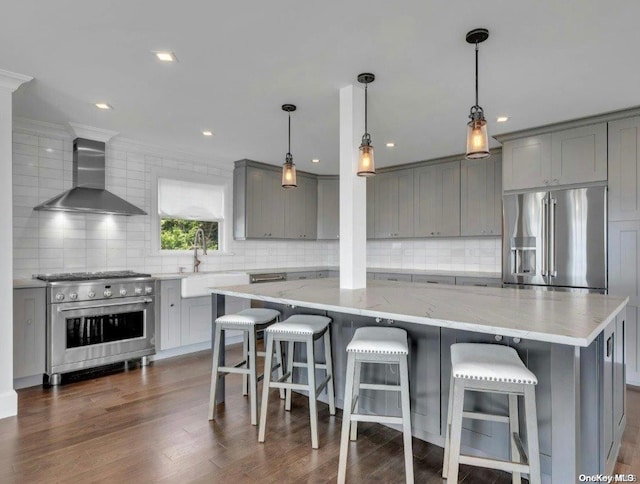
(225, 229)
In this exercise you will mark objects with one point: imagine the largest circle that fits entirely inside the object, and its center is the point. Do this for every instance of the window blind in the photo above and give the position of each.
(189, 200)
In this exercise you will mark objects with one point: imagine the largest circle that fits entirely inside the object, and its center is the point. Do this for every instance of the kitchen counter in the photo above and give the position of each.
(554, 317)
(28, 283)
(573, 343)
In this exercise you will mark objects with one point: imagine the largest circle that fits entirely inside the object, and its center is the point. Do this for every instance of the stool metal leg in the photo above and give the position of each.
(214, 370)
(290, 348)
(265, 388)
(514, 428)
(253, 377)
(356, 397)
(447, 438)
(406, 418)
(456, 430)
(346, 420)
(313, 404)
(245, 352)
(532, 433)
(329, 363)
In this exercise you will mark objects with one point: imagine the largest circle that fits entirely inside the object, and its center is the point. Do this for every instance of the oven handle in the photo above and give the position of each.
(97, 306)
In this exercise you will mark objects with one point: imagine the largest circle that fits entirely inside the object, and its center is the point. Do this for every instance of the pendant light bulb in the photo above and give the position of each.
(366, 164)
(477, 136)
(289, 179)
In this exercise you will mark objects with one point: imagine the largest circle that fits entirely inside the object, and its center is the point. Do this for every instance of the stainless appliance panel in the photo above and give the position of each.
(575, 290)
(577, 238)
(524, 238)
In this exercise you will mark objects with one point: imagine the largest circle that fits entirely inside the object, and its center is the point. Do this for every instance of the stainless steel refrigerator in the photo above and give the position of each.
(556, 239)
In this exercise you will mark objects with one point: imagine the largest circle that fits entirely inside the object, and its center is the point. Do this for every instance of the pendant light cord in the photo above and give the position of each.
(289, 133)
(476, 73)
(366, 86)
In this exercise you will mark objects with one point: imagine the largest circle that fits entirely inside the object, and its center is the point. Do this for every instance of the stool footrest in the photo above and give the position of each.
(523, 455)
(485, 416)
(261, 377)
(323, 384)
(354, 404)
(290, 386)
(225, 370)
(380, 387)
(300, 364)
(359, 417)
(503, 465)
(281, 379)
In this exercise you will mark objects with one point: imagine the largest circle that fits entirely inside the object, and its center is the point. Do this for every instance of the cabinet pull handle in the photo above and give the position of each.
(609, 346)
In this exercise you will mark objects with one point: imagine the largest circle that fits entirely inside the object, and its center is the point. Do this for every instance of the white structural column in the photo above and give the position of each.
(353, 192)
(9, 82)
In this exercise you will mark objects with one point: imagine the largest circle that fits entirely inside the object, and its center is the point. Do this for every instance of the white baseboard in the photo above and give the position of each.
(8, 404)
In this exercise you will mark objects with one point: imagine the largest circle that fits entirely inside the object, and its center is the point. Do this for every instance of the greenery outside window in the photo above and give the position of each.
(179, 234)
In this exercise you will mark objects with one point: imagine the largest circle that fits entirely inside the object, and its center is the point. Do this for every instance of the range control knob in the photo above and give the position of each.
(123, 292)
(73, 296)
(138, 291)
(91, 294)
(148, 290)
(59, 297)
(107, 293)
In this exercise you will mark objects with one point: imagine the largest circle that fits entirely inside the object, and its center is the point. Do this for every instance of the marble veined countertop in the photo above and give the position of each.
(555, 317)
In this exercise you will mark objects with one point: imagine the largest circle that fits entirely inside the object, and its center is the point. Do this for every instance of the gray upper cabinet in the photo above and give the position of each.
(437, 200)
(393, 204)
(29, 332)
(481, 196)
(624, 169)
(579, 155)
(328, 208)
(526, 162)
(264, 210)
(567, 157)
(301, 209)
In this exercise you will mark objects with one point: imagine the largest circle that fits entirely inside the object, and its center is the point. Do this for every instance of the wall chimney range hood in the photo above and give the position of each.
(88, 194)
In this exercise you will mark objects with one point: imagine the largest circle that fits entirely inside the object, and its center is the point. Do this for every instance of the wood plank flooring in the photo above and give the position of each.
(150, 425)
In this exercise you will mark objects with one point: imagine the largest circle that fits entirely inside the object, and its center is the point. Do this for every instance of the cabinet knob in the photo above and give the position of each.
(498, 337)
(516, 340)
(431, 233)
(171, 305)
(29, 321)
(546, 182)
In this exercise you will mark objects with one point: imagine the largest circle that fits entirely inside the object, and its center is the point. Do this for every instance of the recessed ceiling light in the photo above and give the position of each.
(315, 160)
(207, 133)
(166, 56)
(502, 119)
(103, 106)
(390, 145)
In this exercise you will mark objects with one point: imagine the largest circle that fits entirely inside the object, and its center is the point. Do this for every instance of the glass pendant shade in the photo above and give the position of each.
(477, 139)
(289, 175)
(366, 165)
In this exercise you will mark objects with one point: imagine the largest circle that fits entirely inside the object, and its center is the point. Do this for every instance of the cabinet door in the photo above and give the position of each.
(624, 261)
(449, 178)
(428, 197)
(273, 209)
(478, 281)
(624, 169)
(481, 196)
(264, 204)
(619, 373)
(170, 314)
(371, 186)
(579, 155)
(389, 276)
(526, 162)
(294, 211)
(196, 320)
(311, 209)
(425, 278)
(328, 209)
(385, 201)
(494, 224)
(29, 331)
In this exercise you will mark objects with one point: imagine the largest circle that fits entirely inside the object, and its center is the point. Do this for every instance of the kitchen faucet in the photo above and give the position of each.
(202, 239)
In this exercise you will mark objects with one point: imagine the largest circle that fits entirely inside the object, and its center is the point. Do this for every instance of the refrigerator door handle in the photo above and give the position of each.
(545, 237)
(552, 238)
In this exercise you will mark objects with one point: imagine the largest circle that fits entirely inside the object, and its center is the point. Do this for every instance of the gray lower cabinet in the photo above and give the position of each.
(29, 332)
(170, 321)
(296, 276)
(328, 208)
(478, 281)
(196, 320)
(390, 276)
(624, 169)
(393, 204)
(437, 200)
(481, 196)
(430, 279)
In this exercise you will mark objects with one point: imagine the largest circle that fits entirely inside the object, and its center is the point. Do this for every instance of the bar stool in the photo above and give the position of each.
(299, 328)
(382, 346)
(494, 369)
(250, 321)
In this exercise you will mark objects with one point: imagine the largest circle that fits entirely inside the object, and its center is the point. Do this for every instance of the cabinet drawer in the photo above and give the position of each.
(390, 276)
(295, 276)
(478, 281)
(434, 279)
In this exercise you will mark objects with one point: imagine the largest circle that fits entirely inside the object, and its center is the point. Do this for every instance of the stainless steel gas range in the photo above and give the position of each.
(98, 318)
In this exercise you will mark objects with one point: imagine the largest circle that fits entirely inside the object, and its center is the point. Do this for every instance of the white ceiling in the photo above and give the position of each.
(545, 61)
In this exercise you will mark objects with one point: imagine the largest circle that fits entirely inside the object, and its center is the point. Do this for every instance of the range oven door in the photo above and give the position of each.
(93, 333)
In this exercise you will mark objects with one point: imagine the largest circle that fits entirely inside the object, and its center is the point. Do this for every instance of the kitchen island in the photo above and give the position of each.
(574, 343)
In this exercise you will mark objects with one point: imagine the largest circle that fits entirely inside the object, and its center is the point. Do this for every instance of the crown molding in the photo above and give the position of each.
(12, 80)
(91, 132)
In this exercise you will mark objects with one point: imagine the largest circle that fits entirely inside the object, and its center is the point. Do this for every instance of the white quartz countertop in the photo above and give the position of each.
(28, 283)
(555, 317)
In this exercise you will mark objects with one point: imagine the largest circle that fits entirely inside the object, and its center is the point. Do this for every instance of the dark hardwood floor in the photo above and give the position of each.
(150, 425)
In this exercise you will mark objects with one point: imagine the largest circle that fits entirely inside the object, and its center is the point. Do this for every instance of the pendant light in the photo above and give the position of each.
(289, 169)
(366, 166)
(477, 137)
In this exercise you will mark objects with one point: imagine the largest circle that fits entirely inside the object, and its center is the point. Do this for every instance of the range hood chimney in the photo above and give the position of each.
(88, 194)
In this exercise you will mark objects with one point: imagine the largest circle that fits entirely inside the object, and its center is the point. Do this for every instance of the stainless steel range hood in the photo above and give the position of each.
(88, 194)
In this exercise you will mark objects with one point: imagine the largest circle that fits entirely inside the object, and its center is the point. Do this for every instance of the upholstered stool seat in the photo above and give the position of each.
(377, 345)
(299, 328)
(498, 369)
(250, 321)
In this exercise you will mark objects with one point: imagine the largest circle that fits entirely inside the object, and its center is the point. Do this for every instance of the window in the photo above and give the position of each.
(185, 206)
